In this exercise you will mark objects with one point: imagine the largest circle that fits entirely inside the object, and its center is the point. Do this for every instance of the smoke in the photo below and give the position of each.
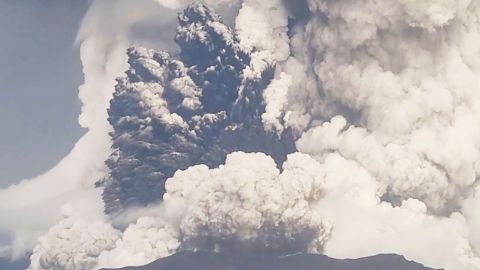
(402, 69)
(31, 207)
(395, 92)
(143, 242)
(381, 96)
(263, 25)
(73, 244)
(169, 114)
(246, 205)
(363, 224)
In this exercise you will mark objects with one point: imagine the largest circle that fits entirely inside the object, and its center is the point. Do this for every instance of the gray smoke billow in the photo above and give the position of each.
(170, 113)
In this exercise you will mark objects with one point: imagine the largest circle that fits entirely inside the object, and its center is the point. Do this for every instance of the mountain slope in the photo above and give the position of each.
(219, 261)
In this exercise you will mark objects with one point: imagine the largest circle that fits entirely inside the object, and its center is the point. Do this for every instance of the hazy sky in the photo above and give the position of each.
(40, 71)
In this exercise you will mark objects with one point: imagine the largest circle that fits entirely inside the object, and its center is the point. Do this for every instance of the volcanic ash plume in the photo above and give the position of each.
(248, 202)
(170, 114)
(382, 98)
(403, 75)
(73, 244)
(246, 205)
(393, 86)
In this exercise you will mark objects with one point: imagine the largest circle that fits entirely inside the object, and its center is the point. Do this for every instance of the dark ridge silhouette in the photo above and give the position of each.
(220, 261)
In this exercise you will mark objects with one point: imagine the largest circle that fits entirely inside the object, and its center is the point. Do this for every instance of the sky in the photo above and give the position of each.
(40, 72)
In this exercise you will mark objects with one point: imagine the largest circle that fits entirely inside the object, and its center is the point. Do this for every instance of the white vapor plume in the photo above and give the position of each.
(263, 25)
(73, 244)
(364, 225)
(276, 98)
(148, 239)
(29, 208)
(250, 202)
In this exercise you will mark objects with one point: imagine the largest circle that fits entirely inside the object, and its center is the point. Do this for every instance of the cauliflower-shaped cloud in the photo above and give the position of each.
(148, 239)
(249, 202)
(73, 244)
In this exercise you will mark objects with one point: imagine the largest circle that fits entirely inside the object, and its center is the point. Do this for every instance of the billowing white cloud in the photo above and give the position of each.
(276, 98)
(249, 201)
(73, 244)
(364, 225)
(263, 25)
(148, 239)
